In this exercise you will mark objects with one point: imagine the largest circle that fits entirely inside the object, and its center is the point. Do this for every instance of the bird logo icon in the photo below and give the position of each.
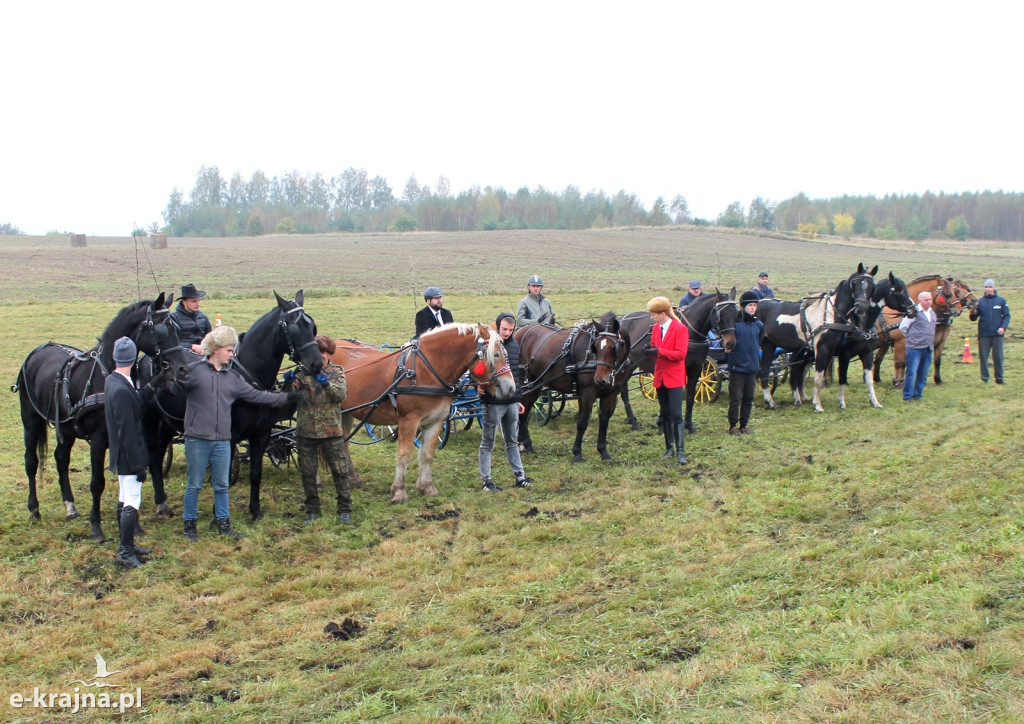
(101, 673)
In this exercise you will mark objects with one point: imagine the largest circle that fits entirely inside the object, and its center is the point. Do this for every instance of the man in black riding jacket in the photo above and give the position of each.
(503, 412)
(193, 325)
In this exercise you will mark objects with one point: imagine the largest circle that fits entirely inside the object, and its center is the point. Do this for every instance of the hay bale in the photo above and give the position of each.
(158, 241)
(78, 240)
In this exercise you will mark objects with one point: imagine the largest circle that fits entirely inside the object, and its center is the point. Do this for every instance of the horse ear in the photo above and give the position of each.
(281, 302)
(159, 302)
(732, 293)
(860, 268)
(892, 279)
(299, 297)
(167, 302)
(874, 270)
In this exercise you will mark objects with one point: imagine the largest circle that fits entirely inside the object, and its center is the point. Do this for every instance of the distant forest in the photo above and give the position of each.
(353, 201)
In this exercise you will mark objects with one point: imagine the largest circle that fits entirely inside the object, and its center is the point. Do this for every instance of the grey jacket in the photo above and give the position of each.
(534, 309)
(211, 395)
(919, 330)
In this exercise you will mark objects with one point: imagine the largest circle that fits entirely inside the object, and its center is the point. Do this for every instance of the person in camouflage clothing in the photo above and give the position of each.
(319, 430)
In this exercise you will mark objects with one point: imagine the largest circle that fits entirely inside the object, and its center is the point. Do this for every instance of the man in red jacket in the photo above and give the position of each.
(669, 341)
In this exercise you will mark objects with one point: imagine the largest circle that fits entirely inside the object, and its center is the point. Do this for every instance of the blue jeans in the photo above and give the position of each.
(919, 361)
(508, 417)
(200, 455)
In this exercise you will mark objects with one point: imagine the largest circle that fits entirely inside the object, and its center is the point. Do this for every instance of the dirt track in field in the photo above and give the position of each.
(41, 268)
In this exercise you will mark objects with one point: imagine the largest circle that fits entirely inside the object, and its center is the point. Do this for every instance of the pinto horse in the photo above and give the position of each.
(414, 386)
(813, 329)
(708, 312)
(582, 360)
(63, 386)
(889, 294)
(950, 297)
(285, 329)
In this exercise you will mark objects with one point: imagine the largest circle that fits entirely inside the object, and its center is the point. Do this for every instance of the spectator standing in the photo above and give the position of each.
(993, 315)
(744, 362)
(762, 290)
(920, 334)
(693, 293)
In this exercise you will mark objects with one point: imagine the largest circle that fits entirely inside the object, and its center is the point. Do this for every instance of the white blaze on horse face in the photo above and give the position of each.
(603, 344)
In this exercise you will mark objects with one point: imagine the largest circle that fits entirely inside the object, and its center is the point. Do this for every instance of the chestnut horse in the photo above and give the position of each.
(581, 360)
(414, 386)
(950, 297)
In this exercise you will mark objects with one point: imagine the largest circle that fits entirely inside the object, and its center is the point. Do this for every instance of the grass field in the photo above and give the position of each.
(851, 566)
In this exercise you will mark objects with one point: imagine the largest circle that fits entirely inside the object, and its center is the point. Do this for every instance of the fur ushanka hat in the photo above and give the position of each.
(220, 337)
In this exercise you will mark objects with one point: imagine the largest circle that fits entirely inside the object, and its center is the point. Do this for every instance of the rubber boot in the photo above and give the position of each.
(669, 442)
(681, 444)
(126, 557)
(139, 550)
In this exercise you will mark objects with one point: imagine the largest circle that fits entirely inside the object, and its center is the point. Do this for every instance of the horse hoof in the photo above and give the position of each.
(528, 450)
(70, 516)
(258, 515)
(429, 491)
(692, 429)
(577, 458)
(34, 515)
(97, 537)
(165, 510)
(397, 499)
(605, 456)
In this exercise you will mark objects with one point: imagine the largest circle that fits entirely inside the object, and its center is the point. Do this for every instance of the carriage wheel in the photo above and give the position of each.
(557, 401)
(709, 384)
(374, 433)
(778, 373)
(168, 457)
(236, 463)
(541, 410)
(647, 386)
(461, 417)
(442, 437)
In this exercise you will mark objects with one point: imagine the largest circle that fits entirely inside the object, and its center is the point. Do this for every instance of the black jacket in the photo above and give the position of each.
(122, 405)
(512, 350)
(425, 320)
(192, 326)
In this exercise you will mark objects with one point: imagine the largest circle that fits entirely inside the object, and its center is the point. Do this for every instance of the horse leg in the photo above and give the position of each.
(582, 421)
(35, 449)
(62, 458)
(767, 354)
(877, 364)
(428, 446)
(604, 416)
(157, 452)
(406, 435)
(525, 443)
(819, 383)
(97, 453)
(628, 409)
(869, 379)
(691, 394)
(844, 368)
(899, 363)
(256, 450)
(353, 475)
(941, 334)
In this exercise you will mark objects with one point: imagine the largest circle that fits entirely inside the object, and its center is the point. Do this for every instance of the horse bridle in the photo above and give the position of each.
(154, 321)
(284, 326)
(481, 355)
(619, 344)
(967, 302)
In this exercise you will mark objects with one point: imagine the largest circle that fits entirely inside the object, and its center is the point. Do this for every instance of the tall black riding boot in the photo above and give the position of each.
(670, 440)
(126, 557)
(139, 550)
(681, 444)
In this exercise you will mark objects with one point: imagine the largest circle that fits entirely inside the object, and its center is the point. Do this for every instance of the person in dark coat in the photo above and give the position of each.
(129, 458)
(193, 325)
(434, 314)
(993, 315)
(744, 361)
(762, 290)
(504, 413)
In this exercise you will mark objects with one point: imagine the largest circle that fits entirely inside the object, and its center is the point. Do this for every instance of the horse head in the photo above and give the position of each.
(609, 344)
(726, 314)
(963, 297)
(892, 292)
(150, 326)
(861, 287)
(489, 366)
(297, 332)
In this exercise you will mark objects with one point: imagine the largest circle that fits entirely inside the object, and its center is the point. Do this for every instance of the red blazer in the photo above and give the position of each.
(670, 366)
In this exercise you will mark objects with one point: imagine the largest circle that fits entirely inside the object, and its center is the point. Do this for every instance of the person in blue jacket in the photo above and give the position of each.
(993, 315)
(744, 361)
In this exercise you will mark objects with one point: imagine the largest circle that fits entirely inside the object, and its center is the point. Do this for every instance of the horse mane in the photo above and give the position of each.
(119, 325)
(926, 278)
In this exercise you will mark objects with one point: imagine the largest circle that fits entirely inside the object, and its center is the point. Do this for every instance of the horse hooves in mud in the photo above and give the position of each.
(96, 536)
(399, 498)
(165, 510)
(429, 491)
(33, 514)
(73, 515)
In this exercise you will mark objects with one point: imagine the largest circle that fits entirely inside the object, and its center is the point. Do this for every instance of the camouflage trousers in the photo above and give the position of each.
(332, 450)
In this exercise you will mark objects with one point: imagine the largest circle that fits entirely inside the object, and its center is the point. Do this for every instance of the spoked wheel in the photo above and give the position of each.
(541, 412)
(442, 437)
(709, 384)
(168, 458)
(647, 386)
(778, 373)
(557, 402)
(374, 433)
(237, 452)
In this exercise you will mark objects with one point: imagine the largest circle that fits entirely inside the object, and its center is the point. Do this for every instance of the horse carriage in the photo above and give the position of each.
(715, 372)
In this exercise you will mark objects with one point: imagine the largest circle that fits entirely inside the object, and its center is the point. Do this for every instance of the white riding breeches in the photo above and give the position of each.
(129, 491)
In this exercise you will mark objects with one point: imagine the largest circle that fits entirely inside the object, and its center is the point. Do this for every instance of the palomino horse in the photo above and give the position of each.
(581, 360)
(63, 386)
(950, 297)
(285, 329)
(813, 329)
(413, 388)
(708, 312)
(889, 294)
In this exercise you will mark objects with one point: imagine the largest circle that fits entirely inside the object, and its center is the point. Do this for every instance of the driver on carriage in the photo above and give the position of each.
(693, 294)
(193, 325)
(434, 314)
(534, 308)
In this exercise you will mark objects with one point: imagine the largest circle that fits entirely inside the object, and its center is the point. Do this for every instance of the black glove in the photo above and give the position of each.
(294, 396)
(141, 476)
(650, 351)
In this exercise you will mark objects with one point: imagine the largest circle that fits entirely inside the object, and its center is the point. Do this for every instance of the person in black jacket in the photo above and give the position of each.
(744, 361)
(993, 315)
(129, 458)
(193, 325)
(434, 314)
(503, 412)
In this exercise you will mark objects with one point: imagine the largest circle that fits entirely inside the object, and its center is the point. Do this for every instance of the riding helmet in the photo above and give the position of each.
(535, 279)
(748, 297)
(431, 292)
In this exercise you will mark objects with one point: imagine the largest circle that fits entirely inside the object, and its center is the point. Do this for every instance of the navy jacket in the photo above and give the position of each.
(122, 406)
(746, 355)
(991, 313)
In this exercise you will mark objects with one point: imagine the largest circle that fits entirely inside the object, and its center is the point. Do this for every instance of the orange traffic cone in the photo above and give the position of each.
(967, 359)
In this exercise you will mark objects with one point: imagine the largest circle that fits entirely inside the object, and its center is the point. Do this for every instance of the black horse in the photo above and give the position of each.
(579, 360)
(892, 293)
(708, 312)
(286, 329)
(63, 386)
(812, 331)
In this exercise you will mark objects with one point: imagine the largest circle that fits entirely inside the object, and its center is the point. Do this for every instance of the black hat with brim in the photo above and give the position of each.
(189, 291)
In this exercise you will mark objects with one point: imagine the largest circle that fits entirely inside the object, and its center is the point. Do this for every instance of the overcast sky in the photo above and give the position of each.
(108, 106)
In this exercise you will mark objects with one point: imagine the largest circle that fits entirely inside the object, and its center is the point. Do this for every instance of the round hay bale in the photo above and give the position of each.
(158, 241)
(78, 240)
